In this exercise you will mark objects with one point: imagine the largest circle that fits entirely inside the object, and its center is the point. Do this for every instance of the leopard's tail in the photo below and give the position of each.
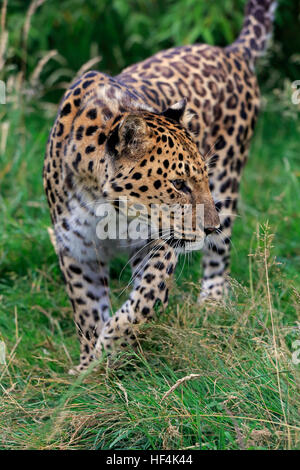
(257, 29)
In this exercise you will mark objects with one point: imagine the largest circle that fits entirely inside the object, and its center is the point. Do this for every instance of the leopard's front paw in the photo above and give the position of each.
(116, 334)
(86, 361)
(77, 370)
(216, 289)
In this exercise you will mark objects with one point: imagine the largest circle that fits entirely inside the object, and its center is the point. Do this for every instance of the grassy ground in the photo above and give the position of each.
(244, 393)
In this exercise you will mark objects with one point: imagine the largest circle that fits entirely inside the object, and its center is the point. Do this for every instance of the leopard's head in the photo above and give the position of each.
(156, 165)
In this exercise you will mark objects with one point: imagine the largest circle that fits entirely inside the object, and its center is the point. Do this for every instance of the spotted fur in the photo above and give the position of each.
(134, 135)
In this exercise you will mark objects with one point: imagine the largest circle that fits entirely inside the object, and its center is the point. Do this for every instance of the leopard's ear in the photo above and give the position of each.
(132, 130)
(180, 113)
(129, 137)
(176, 111)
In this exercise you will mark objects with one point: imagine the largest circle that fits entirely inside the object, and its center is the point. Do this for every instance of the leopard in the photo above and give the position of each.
(175, 128)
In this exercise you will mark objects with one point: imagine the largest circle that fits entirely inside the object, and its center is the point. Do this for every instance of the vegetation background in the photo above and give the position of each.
(234, 367)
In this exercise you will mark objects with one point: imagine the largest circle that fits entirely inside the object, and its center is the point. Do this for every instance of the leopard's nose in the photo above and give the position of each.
(209, 230)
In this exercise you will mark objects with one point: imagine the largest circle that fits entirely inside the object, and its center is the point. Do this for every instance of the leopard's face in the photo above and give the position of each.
(159, 172)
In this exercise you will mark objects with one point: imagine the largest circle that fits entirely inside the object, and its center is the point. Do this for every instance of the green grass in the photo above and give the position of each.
(246, 392)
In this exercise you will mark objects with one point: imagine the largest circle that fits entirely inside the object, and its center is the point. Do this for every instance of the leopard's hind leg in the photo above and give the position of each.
(224, 182)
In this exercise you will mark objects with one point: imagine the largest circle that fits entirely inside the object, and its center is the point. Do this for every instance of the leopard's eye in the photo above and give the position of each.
(181, 185)
(178, 184)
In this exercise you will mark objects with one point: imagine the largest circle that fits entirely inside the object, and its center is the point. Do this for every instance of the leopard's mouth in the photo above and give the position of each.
(184, 245)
